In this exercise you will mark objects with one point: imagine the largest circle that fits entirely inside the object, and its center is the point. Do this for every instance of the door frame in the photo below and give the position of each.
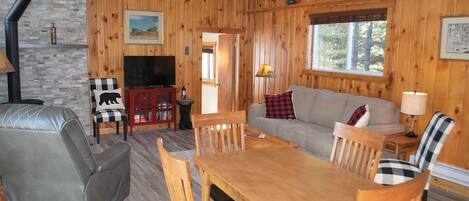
(236, 80)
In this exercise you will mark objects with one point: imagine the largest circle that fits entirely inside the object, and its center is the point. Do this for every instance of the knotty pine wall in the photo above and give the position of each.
(185, 20)
(279, 37)
(276, 34)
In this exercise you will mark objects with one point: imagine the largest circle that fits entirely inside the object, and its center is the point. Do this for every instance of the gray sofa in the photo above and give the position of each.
(316, 112)
(45, 156)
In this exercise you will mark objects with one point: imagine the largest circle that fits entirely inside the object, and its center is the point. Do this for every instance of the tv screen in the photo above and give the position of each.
(147, 71)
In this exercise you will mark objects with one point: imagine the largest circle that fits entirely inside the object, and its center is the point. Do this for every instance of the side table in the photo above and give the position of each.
(400, 145)
(185, 113)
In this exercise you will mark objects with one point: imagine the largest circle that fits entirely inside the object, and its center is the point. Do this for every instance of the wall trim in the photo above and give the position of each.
(451, 173)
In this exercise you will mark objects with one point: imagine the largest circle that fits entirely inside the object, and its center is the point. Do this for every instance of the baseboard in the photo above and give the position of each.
(451, 173)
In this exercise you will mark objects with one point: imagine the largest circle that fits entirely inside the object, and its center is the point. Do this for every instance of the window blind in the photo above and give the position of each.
(349, 16)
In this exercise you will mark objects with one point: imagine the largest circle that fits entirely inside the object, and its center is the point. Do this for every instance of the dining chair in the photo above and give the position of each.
(356, 150)
(408, 191)
(219, 132)
(177, 174)
(393, 171)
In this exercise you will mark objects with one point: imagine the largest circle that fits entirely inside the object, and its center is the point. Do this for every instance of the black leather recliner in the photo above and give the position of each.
(45, 156)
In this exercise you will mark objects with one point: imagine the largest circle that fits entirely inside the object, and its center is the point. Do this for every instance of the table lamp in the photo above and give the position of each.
(5, 65)
(413, 104)
(265, 71)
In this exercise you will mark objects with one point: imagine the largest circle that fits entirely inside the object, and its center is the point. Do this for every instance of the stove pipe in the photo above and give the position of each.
(12, 47)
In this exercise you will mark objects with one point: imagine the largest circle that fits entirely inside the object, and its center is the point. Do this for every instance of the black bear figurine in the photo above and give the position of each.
(109, 98)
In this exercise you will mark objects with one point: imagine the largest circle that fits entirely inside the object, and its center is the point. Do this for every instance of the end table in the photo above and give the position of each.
(400, 145)
(185, 113)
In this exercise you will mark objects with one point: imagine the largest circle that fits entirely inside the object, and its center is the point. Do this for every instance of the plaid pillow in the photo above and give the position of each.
(279, 106)
(360, 117)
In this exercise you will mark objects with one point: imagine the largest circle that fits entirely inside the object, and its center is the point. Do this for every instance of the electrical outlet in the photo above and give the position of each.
(186, 50)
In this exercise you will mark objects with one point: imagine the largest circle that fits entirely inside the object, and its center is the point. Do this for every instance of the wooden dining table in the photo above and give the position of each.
(277, 174)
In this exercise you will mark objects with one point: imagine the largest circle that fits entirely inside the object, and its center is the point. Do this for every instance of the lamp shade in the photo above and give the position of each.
(414, 103)
(265, 71)
(5, 65)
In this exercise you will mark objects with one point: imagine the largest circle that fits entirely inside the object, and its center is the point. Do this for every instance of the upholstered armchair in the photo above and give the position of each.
(45, 156)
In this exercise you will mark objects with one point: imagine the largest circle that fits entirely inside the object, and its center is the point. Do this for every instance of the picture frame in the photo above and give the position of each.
(454, 43)
(143, 27)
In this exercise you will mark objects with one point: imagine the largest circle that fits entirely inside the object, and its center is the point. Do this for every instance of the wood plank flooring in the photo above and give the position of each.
(147, 180)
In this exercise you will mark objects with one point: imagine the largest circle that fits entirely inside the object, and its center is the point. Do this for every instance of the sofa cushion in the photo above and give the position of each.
(271, 125)
(381, 111)
(303, 100)
(298, 132)
(328, 108)
(320, 143)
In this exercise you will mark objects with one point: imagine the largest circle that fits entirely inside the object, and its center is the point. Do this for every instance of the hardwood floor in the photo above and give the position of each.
(147, 180)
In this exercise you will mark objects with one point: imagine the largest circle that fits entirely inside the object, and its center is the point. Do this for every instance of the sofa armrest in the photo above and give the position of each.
(255, 110)
(113, 156)
(387, 129)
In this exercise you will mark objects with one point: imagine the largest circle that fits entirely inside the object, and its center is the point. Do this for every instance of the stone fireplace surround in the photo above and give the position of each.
(56, 74)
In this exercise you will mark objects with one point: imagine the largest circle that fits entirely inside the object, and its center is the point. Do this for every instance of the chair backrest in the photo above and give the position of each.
(44, 153)
(408, 191)
(177, 175)
(432, 141)
(357, 150)
(101, 84)
(220, 132)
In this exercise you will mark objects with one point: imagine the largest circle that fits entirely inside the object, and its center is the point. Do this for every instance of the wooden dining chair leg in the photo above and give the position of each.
(205, 186)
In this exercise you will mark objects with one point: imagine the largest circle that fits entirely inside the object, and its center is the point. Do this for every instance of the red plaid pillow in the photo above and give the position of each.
(279, 106)
(360, 117)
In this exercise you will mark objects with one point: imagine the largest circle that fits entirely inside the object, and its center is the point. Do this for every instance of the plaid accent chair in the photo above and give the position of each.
(392, 171)
(107, 115)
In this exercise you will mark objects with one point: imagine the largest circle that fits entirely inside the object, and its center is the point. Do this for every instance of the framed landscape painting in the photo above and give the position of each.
(455, 38)
(143, 27)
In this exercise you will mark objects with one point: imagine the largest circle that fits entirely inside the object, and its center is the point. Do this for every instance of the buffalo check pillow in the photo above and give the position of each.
(360, 117)
(279, 106)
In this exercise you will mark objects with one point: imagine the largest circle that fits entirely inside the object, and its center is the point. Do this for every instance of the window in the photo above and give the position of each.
(209, 63)
(350, 42)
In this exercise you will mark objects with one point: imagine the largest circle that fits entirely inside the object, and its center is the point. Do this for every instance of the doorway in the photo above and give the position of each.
(220, 55)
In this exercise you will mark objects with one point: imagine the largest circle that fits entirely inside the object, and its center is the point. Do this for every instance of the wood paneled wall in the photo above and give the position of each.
(412, 60)
(185, 20)
(275, 34)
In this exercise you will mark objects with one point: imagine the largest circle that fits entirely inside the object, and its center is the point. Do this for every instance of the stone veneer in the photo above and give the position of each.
(57, 76)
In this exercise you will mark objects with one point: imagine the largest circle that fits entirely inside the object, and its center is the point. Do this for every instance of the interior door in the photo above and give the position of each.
(226, 72)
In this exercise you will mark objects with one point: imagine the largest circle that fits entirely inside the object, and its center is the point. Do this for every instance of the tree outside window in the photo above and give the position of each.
(349, 42)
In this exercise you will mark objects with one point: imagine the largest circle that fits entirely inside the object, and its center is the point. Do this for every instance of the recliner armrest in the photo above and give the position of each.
(111, 157)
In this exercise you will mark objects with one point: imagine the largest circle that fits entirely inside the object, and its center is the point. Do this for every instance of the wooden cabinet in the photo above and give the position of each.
(154, 105)
(3, 197)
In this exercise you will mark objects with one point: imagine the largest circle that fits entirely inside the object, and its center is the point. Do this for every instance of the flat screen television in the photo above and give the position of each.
(149, 71)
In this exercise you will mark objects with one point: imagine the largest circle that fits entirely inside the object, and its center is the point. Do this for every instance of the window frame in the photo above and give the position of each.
(362, 75)
(213, 46)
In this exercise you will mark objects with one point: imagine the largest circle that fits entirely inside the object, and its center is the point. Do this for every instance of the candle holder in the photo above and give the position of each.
(53, 34)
